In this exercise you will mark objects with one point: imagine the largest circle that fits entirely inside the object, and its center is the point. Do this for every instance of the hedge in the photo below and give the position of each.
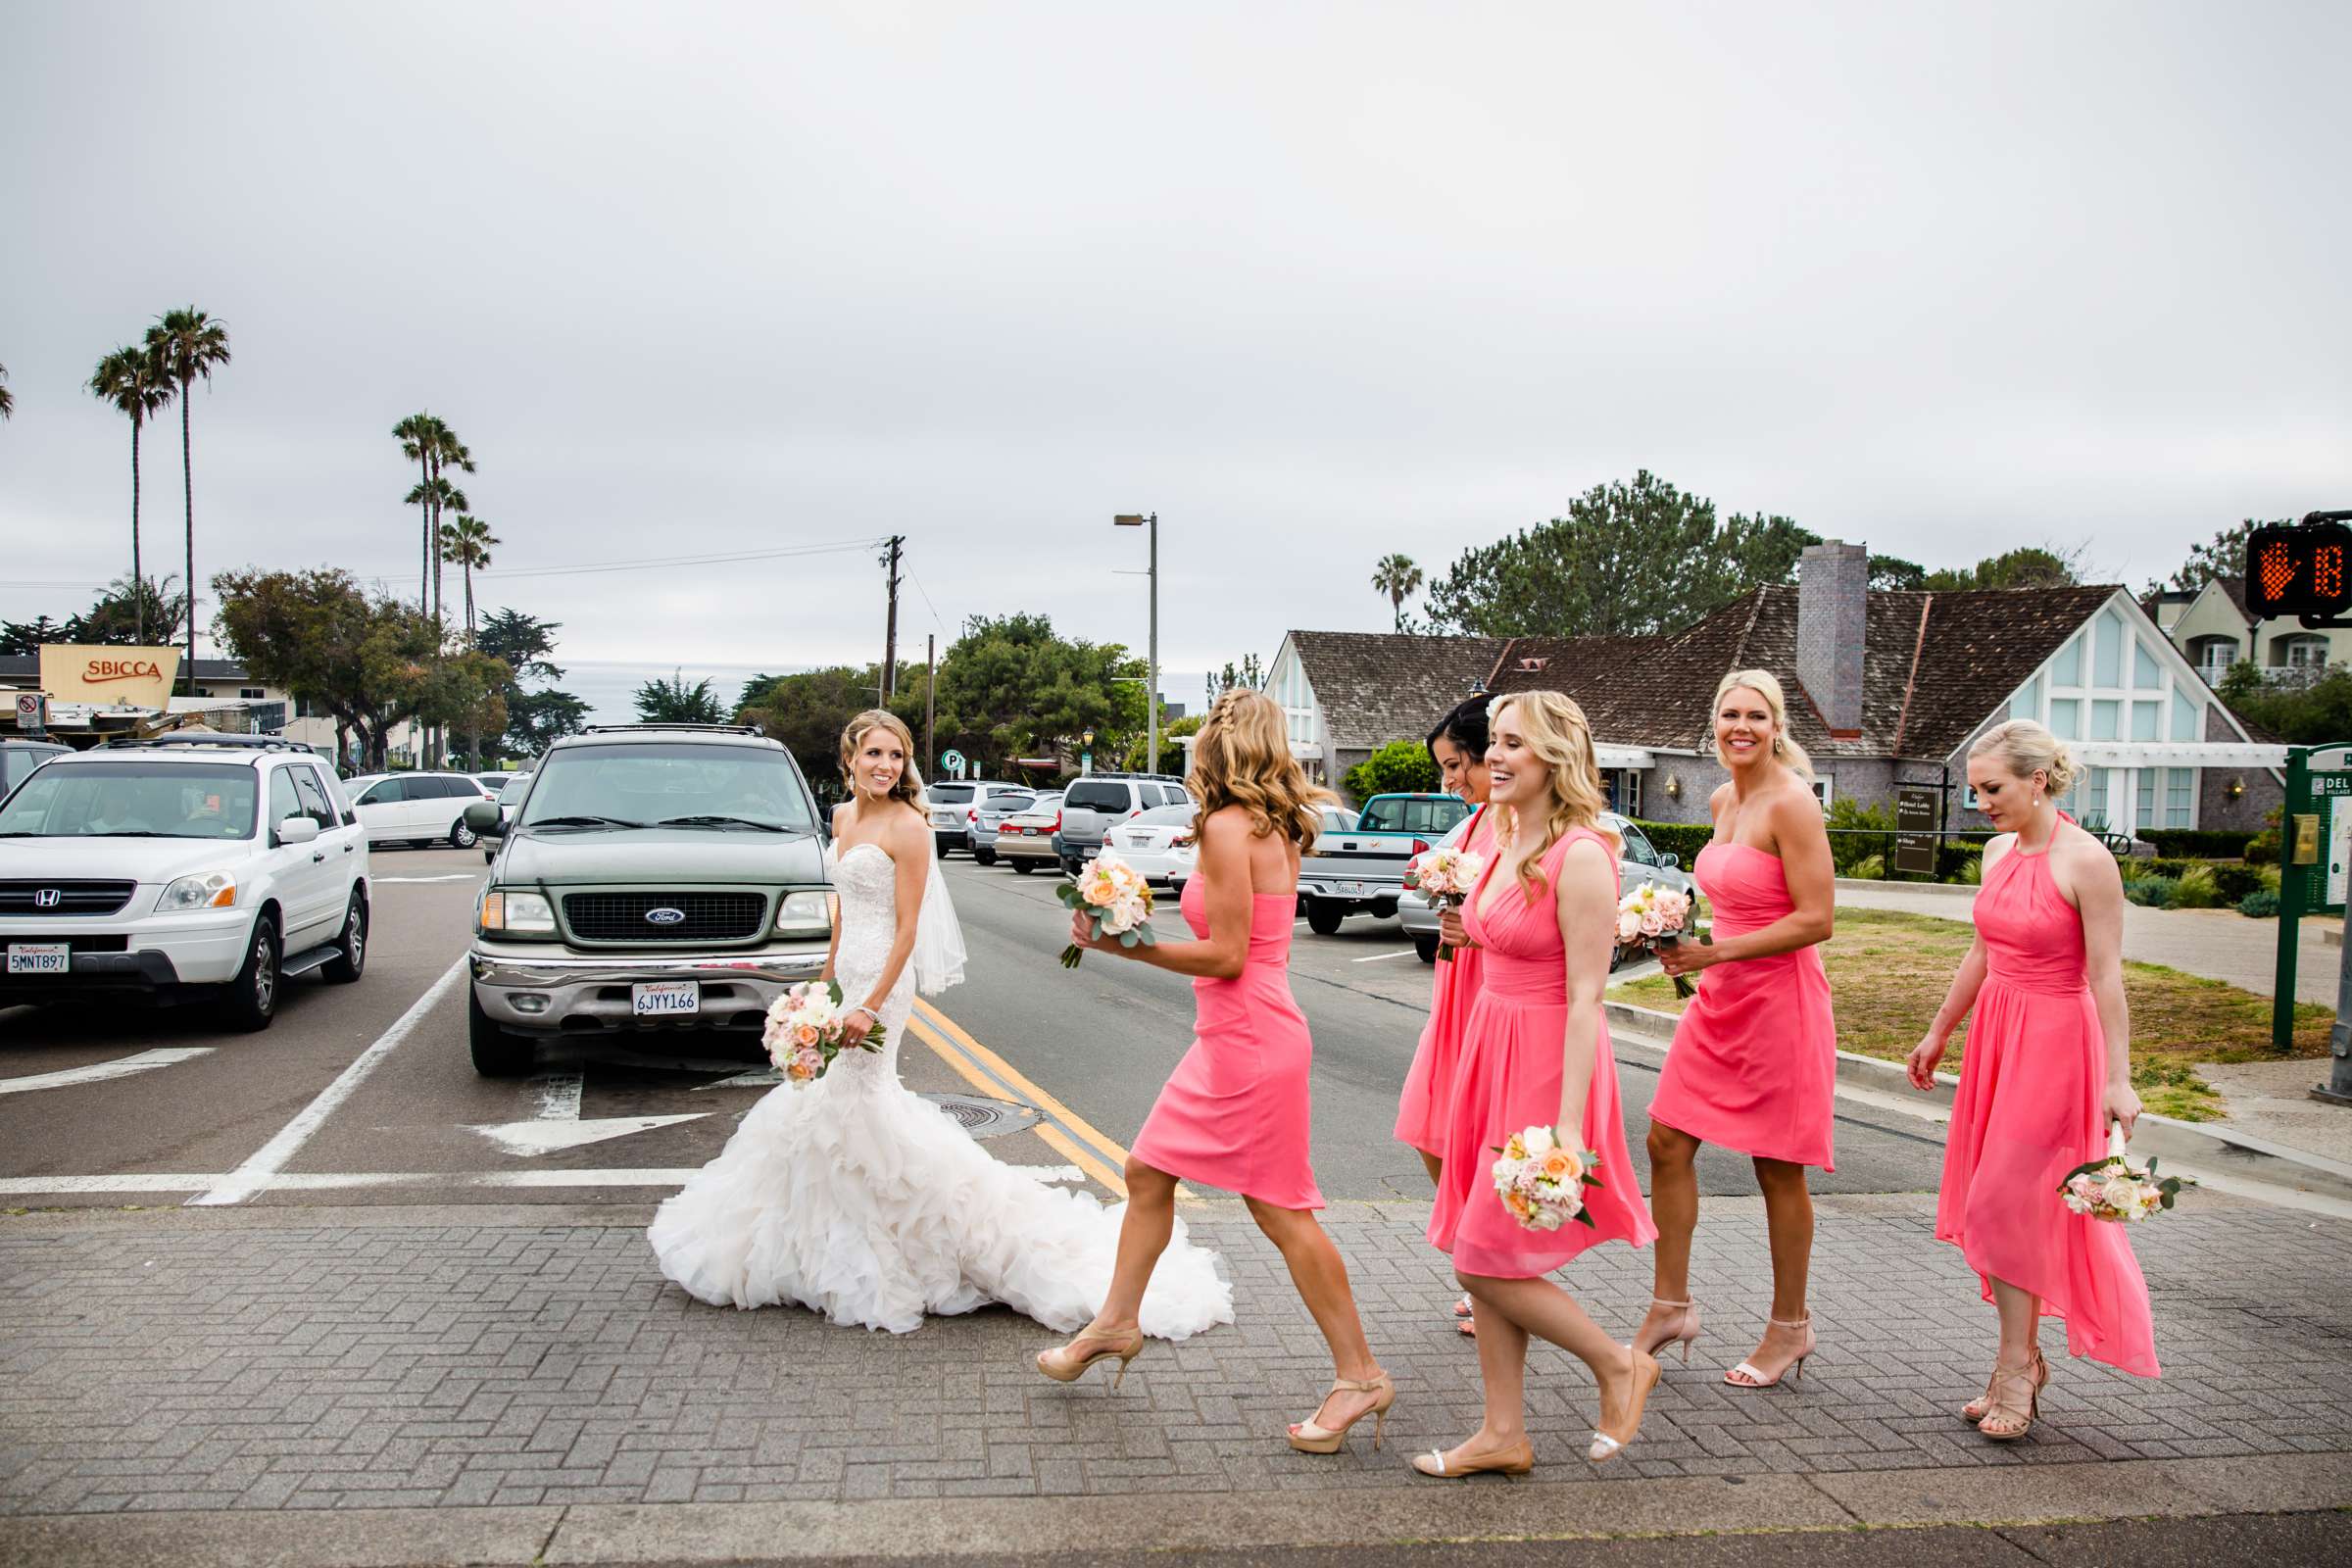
(1683, 840)
(2198, 842)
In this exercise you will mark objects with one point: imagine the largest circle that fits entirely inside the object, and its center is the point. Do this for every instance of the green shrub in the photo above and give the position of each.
(1401, 768)
(1871, 867)
(2195, 889)
(2135, 868)
(2260, 905)
(1682, 840)
(1972, 870)
(2214, 844)
(2235, 881)
(2151, 891)
(2269, 878)
(1857, 832)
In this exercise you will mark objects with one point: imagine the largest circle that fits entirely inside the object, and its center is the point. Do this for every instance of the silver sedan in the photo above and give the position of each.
(1639, 863)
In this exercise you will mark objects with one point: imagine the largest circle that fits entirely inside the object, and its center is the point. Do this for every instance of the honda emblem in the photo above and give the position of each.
(48, 899)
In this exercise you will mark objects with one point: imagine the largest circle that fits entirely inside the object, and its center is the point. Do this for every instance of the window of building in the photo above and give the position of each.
(251, 692)
(2106, 716)
(2146, 673)
(2147, 721)
(2107, 658)
(2145, 803)
(2067, 669)
(2026, 704)
(2180, 797)
(1821, 792)
(2065, 716)
(2188, 719)
(2094, 802)
(2303, 652)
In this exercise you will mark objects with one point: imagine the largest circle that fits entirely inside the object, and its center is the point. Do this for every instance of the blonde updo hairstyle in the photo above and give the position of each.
(909, 787)
(2026, 748)
(1767, 686)
(1554, 728)
(1242, 756)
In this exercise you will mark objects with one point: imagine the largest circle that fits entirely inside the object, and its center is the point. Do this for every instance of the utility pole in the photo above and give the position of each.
(890, 643)
(930, 706)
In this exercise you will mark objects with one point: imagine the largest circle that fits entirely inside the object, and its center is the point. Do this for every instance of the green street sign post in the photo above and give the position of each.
(2315, 865)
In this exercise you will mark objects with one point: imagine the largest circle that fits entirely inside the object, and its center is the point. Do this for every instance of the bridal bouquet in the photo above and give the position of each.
(805, 1030)
(2115, 1188)
(1543, 1182)
(1114, 896)
(1652, 918)
(1445, 876)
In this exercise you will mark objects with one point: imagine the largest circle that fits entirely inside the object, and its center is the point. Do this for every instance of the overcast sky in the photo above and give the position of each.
(1315, 281)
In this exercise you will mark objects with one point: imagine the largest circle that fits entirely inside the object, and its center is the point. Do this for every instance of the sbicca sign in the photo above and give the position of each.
(129, 677)
(98, 671)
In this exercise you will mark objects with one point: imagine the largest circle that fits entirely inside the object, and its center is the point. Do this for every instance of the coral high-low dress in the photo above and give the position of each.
(1507, 1079)
(2030, 1109)
(1423, 1109)
(1754, 1061)
(1234, 1114)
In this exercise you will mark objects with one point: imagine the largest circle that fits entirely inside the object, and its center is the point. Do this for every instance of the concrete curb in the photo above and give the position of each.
(1872, 884)
(1983, 1496)
(1885, 1085)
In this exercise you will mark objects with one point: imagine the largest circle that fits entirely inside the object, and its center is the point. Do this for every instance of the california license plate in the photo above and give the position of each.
(40, 958)
(665, 999)
(1349, 889)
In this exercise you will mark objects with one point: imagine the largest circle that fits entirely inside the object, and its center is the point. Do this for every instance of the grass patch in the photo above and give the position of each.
(1888, 972)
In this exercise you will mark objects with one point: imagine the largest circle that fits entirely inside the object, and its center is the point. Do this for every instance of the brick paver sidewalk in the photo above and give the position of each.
(275, 1359)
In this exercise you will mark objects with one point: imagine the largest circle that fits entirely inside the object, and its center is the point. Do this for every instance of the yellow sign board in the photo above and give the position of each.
(130, 677)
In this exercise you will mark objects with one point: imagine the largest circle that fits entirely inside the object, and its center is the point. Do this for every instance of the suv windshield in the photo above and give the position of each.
(1102, 797)
(950, 794)
(133, 800)
(639, 785)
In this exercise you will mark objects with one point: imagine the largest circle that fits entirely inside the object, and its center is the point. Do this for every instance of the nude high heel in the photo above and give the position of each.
(1975, 1409)
(1685, 1330)
(2005, 1419)
(1061, 1367)
(1745, 1375)
(1308, 1438)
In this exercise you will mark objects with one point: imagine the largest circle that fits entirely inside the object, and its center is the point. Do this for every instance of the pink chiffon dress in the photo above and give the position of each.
(2031, 1108)
(1423, 1109)
(1234, 1114)
(1754, 1061)
(1507, 1079)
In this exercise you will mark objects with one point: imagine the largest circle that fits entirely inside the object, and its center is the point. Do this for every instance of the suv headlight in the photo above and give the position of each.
(205, 890)
(520, 913)
(806, 913)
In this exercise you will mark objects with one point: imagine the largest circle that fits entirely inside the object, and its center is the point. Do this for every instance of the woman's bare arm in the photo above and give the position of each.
(1225, 845)
(2096, 885)
(1801, 839)
(1586, 902)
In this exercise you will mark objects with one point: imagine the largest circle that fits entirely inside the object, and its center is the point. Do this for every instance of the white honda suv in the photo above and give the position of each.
(173, 872)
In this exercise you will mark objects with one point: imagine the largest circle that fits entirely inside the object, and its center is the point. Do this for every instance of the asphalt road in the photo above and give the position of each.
(364, 1094)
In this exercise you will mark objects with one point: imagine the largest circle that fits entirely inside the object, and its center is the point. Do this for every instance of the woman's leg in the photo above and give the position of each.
(1321, 1278)
(1673, 1206)
(1789, 1227)
(2020, 1322)
(1541, 1308)
(1503, 1372)
(1437, 1166)
(1144, 1233)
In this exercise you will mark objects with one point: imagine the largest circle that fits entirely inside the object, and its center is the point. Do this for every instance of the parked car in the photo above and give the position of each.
(1096, 803)
(417, 808)
(1638, 862)
(17, 759)
(1031, 837)
(180, 873)
(986, 816)
(655, 878)
(1162, 843)
(1421, 816)
(953, 805)
(1350, 872)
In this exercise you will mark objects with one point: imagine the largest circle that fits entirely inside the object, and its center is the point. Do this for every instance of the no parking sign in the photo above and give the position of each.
(33, 714)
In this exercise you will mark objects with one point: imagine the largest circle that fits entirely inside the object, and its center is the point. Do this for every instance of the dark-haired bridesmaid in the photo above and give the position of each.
(1458, 745)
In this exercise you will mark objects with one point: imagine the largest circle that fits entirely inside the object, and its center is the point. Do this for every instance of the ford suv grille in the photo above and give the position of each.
(64, 898)
(658, 916)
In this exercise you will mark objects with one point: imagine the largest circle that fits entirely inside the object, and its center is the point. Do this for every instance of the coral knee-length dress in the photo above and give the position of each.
(1754, 1061)
(1422, 1110)
(2031, 1108)
(1507, 1079)
(1235, 1113)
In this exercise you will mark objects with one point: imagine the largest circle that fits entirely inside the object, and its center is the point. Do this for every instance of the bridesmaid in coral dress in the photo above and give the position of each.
(1234, 1114)
(1458, 745)
(2047, 1069)
(1754, 1063)
(1536, 1054)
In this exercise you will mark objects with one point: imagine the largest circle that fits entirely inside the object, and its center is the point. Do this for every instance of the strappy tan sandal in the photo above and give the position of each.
(1746, 1376)
(1685, 1329)
(1512, 1461)
(1308, 1438)
(2005, 1419)
(1973, 1410)
(1062, 1366)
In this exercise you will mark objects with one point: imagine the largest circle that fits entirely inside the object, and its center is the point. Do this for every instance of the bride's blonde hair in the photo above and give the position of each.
(1555, 730)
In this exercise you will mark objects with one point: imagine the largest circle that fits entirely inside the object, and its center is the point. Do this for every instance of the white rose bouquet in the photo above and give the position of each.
(805, 1030)
(1115, 898)
(2113, 1189)
(1541, 1181)
(1653, 917)
(1445, 876)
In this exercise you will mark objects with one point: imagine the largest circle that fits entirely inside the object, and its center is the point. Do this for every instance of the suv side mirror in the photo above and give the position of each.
(487, 819)
(297, 830)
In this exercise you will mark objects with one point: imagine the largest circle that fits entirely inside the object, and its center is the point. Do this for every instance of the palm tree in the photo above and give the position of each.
(129, 381)
(1399, 579)
(8, 399)
(467, 543)
(427, 440)
(184, 345)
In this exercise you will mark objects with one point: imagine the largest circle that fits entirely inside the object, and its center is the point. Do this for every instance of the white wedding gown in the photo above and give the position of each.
(855, 1199)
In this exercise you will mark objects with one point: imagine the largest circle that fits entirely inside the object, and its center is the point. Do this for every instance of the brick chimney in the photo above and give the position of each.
(1833, 586)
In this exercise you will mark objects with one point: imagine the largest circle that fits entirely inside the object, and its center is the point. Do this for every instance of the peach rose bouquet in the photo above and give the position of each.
(805, 1030)
(1115, 897)
(1541, 1181)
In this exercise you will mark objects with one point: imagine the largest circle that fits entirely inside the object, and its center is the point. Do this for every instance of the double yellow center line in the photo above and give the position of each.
(1063, 1130)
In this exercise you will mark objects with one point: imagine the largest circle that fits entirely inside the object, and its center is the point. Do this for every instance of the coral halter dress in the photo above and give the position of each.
(2031, 1108)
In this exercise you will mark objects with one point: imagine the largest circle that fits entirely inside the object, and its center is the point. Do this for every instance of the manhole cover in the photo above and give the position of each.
(983, 1117)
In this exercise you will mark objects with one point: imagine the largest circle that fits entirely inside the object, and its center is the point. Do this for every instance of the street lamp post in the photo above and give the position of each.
(1133, 519)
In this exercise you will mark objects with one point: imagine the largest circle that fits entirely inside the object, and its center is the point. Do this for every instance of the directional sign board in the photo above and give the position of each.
(1915, 824)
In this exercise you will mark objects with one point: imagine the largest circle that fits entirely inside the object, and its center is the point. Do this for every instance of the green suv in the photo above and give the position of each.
(658, 878)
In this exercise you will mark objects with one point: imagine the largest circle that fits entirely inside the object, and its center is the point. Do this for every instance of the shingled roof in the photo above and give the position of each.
(1378, 687)
(1934, 667)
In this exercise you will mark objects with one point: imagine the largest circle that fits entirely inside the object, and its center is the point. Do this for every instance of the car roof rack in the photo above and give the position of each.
(639, 729)
(245, 742)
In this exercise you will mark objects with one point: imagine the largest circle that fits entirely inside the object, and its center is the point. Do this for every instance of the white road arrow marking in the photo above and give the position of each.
(758, 1078)
(122, 1068)
(556, 1125)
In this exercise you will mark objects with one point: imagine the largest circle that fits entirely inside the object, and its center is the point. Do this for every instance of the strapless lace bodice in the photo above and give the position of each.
(867, 879)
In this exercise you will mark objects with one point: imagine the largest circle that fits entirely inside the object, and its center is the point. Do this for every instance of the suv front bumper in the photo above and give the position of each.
(161, 955)
(590, 993)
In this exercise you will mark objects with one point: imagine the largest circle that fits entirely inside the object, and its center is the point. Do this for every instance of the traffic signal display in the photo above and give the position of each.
(2301, 570)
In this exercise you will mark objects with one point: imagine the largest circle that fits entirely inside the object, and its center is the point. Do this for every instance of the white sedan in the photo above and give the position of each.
(1159, 843)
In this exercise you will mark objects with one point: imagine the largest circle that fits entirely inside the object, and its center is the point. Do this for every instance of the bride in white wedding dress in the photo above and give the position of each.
(857, 1199)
